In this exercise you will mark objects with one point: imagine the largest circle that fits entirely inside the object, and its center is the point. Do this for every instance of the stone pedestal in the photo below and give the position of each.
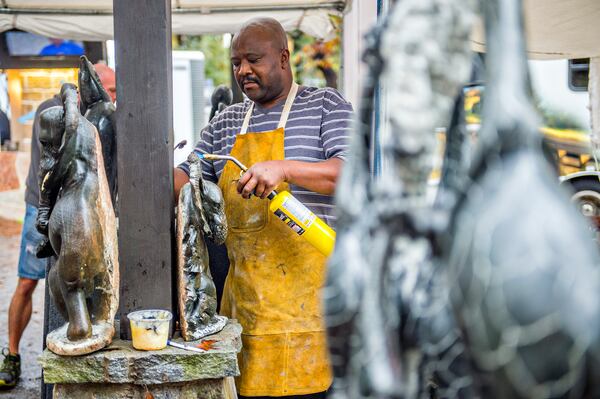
(119, 371)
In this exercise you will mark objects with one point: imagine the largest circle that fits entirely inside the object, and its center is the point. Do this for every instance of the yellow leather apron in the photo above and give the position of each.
(274, 283)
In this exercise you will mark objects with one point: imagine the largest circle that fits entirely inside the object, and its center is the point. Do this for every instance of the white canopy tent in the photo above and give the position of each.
(92, 19)
(557, 29)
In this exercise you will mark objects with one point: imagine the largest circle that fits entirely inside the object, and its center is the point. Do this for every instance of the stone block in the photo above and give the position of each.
(205, 389)
(119, 363)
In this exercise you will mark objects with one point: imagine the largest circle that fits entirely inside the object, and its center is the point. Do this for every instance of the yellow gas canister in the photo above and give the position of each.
(292, 212)
(303, 221)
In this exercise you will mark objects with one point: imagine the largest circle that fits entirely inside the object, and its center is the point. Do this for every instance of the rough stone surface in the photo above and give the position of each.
(58, 342)
(205, 389)
(119, 363)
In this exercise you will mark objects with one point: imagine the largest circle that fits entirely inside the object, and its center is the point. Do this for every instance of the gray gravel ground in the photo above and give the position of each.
(31, 344)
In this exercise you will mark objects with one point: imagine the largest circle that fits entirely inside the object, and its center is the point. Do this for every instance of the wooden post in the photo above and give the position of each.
(144, 122)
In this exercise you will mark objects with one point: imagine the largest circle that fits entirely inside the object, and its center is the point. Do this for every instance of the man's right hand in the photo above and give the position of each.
(44, 249)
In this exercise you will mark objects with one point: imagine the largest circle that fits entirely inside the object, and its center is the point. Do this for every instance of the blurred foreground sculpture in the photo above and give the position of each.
(200, 216)
(493, 291)
(392, 332)
(522, 270)
(97, 107)
(76, 215)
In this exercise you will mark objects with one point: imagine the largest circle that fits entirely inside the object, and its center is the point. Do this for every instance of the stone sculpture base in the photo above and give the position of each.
(58, 342)
(119, 371)
(218, 325)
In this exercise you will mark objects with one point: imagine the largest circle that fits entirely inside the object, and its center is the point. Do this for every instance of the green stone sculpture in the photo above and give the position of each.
(200, 216)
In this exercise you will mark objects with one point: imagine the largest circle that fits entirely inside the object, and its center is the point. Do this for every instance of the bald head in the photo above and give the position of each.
(268, 28)
(260, 59)
(107, 78)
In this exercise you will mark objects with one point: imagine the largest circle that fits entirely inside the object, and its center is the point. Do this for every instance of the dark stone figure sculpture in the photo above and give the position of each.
(522, 270)
(220, 99)
(97, 107)
(76, 215)
(200, 217)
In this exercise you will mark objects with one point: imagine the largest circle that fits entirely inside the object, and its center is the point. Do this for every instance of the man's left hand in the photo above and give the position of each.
(262, 178)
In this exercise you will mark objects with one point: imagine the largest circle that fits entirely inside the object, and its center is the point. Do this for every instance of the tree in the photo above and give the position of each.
(315, 61)
(217, 63)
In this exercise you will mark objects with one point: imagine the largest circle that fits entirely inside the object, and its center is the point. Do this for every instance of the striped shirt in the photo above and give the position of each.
(317, 129)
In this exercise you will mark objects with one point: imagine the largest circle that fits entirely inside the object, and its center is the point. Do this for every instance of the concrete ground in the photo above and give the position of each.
(12, 210)
(31, 344)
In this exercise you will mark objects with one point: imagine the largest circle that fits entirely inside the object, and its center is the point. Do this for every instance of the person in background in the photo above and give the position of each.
(107, 77)
(4, 128)
(290, 136)
(61, 47)
(31, 269)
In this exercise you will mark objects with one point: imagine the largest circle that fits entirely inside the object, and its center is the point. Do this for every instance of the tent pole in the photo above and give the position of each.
(594, 93)
(333, 5)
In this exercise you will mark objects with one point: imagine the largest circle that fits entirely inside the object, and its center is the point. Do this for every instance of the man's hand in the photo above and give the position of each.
(44, 249)
(262, 178)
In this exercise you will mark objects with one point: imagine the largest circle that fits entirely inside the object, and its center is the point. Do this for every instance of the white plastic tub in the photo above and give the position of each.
(149, 328)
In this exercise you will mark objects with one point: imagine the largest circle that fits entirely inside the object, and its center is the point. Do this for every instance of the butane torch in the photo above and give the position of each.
(293, 213)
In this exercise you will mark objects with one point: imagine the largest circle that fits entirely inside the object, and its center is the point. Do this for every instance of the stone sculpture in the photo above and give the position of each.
(220, 99)
(200, 216)
(384, 288)
(522, 270)
(493, 291)
(76, 215)
(97, 107)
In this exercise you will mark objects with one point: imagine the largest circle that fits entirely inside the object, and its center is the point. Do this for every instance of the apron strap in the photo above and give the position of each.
(288, 105)
(284, 114)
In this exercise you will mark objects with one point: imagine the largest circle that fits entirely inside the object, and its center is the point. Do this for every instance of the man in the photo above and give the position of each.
(31, 269)
(107, 77)
(61, 47)
(292, 138)
(4, 128)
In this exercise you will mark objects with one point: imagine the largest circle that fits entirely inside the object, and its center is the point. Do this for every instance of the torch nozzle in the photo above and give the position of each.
(215, 157)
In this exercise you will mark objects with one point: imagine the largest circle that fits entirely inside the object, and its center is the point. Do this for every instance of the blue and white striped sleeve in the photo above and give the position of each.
(338, 118)
(204, 146)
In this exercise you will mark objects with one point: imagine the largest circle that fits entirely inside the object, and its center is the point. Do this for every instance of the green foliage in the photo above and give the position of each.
(217, 65)
(311, 56)
(555, 118)
(559, 119)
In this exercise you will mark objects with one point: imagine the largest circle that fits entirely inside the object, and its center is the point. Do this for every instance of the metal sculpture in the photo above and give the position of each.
(97, 107)
(200, 216)
(523, 273)
(76, 215)
(384, 289)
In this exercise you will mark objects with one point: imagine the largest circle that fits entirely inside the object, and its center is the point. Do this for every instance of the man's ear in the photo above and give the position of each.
(285, 59)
